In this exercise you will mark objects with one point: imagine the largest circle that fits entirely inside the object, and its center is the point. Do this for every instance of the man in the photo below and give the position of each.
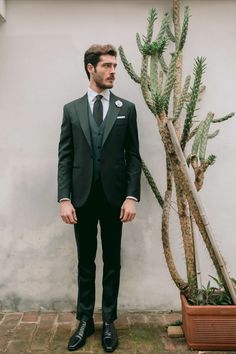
(98, 181)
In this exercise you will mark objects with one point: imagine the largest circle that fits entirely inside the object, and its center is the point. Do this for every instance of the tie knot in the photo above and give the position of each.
(98, 98)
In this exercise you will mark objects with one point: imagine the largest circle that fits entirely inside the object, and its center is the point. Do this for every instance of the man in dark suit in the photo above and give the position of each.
(98, 181)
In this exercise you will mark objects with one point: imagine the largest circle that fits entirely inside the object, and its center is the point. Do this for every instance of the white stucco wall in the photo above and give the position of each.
(41, 68)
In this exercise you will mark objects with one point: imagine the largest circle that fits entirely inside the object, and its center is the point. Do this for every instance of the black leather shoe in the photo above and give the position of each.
(78, 339)
(109, 337)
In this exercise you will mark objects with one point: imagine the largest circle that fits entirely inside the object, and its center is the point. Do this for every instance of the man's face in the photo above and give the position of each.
(103, 76)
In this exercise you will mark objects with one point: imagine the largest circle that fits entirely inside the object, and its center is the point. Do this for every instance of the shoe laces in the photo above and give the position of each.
(82, 327)
(108, 330)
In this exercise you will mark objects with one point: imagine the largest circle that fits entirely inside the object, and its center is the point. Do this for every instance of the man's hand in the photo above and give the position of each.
(128, 210)
(68, 213)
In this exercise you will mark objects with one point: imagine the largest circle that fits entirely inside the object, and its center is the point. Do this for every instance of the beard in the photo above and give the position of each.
(101, 84)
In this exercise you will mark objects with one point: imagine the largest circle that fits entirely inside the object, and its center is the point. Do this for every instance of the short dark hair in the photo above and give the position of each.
(93, 53)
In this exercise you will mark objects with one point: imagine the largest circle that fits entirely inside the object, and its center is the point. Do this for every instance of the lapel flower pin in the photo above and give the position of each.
(119, 103)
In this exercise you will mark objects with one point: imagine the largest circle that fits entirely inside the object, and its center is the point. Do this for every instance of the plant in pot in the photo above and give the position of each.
(185, 145)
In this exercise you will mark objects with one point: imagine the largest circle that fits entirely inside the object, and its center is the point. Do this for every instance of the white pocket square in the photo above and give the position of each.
(121, 117)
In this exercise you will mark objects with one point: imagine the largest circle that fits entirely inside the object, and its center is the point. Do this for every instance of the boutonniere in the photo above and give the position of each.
(119, 103)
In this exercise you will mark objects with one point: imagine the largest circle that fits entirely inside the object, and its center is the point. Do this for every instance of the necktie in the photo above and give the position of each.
(98, 110)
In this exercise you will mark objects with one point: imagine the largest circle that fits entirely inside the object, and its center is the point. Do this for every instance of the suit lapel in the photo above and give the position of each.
(111, 117)
(82, 111)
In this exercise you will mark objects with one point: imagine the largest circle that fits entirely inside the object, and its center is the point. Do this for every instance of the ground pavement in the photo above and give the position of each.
(48, 333)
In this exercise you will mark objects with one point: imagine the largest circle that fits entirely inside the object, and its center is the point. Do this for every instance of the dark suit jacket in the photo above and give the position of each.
(120, 159)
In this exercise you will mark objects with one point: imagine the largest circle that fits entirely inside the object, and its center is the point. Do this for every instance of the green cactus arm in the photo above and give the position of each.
(213, 135)
(160, 102)
(199, 69)
(170, 34)
(154, 74)
(128, 66)
(182, 98)
(197, 139)
(151, 20)
(201, 90)
(210, 136)
(161, 47)
(170, 79)
(164, 25)
(230, 115)
(204, 136)
(160, 80)
(163, 64)
(144, 83)
(176, 20)
(139, 43)
(184, 30)
(152, 184)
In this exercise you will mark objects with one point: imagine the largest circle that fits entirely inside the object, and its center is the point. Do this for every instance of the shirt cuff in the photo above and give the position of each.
(62, 199)
(130, 197)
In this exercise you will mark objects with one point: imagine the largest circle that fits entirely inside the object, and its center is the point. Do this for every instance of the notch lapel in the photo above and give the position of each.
(82, 112)
(112, 115)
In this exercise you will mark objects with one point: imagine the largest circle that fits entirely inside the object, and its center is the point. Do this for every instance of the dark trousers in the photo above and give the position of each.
(97, 209)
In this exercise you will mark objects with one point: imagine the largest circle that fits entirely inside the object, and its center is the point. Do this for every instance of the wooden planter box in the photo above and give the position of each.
(209, 327)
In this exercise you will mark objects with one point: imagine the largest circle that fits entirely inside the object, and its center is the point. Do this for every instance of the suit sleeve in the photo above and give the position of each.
(65, 158)
(132, 156)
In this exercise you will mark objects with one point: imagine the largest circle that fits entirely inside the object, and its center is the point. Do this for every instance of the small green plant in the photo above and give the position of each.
(212, 295)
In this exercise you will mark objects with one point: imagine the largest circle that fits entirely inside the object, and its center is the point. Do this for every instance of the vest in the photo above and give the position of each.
(96, 133)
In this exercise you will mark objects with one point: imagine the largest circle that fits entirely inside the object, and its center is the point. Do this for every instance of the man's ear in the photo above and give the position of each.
(90, 68)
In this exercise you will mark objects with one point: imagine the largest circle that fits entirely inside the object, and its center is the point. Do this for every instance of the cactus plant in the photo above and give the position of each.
(161, 86)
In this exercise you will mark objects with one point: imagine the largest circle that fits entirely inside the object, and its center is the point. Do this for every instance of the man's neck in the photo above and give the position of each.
(95, 88)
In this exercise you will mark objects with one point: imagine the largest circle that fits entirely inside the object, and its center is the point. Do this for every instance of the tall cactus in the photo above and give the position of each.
(160, 83)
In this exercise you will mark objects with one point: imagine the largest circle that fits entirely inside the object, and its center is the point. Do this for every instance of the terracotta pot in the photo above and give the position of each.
(209, 327)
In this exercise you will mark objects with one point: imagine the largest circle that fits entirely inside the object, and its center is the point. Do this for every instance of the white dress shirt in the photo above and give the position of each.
(105, 99)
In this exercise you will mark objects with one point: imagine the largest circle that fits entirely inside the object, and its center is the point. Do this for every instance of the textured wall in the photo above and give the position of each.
(41, 68)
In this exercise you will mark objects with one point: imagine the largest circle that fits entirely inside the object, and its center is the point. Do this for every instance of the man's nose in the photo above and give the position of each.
(113, 69)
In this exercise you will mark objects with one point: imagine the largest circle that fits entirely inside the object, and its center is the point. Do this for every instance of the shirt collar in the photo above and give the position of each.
(92, 94)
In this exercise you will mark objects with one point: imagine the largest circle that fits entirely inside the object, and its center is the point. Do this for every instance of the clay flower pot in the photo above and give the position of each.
(209, 327)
